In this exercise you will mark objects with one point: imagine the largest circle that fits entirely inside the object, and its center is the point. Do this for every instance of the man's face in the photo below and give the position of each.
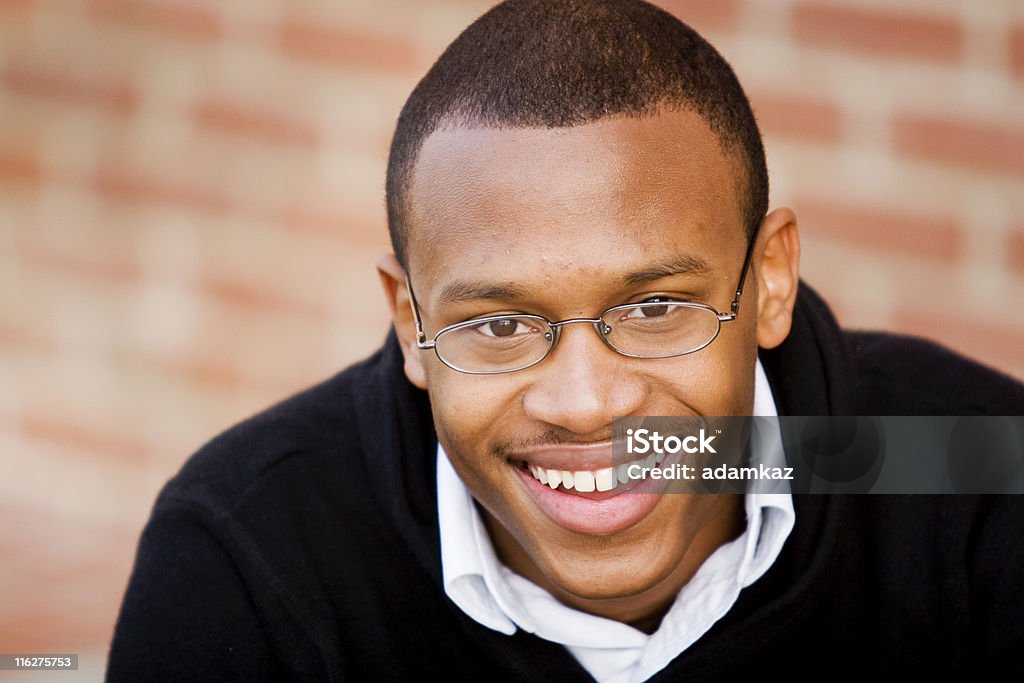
(565, 223)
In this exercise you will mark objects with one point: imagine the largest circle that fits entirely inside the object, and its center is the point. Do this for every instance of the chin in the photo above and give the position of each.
(606, 575)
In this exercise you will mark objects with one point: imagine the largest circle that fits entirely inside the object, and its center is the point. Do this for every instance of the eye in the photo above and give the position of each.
(504, 327)
(647, 311)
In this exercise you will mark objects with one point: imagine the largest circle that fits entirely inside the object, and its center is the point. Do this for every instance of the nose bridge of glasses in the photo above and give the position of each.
(598, 323)
(569, 321)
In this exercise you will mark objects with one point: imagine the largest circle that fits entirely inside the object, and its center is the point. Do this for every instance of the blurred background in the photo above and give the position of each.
(191, 204)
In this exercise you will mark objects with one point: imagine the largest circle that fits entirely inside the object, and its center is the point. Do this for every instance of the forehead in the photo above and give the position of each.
(601, 198)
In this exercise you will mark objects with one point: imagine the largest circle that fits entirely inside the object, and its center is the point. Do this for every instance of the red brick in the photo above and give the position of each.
(1015, 250)
(986, 341)
(705, 15)
(879, 229)
(261, 296)
(15, 335)
(203, 368)
(338, 46)
(797, 117)
(36, 81)
(124, 185)
(879, 32)
(100, 264)
(980, 146)
(192, 21)
(334, 224)
(20, 167)
(100, 440)
(1017, 51)
(271, 126)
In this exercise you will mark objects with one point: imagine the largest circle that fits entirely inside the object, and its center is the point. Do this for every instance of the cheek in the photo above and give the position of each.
(717, 380)
(471, 415)
(733, 379)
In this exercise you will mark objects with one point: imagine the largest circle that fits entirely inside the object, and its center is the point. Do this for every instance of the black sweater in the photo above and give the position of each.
(303, 544)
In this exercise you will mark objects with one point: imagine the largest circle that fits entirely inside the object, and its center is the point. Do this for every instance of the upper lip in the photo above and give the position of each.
(568, 456)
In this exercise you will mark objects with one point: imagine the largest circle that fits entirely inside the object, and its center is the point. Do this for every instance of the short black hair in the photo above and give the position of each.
(560, 63)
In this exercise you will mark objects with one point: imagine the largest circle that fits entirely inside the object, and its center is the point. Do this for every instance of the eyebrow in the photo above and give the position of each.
(461, 291)
(677, 265)
(469, 290)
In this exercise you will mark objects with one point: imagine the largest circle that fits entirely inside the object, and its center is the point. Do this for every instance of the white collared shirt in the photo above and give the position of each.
(613, 652)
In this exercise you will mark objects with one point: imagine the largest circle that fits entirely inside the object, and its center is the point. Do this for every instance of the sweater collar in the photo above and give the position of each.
(396, 431)
(811, 372)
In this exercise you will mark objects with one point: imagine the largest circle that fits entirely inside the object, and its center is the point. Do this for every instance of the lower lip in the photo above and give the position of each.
(595, 516)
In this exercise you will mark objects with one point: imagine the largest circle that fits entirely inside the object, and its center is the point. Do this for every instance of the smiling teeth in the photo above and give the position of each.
(586, 481)
(605, 479)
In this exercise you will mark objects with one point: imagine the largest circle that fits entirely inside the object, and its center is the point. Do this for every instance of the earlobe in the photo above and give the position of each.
(414, 371)
(393, 280)
(778, 273)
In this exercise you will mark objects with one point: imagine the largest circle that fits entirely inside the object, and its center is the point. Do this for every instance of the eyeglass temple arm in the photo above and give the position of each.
(735, 306)
(421, 338)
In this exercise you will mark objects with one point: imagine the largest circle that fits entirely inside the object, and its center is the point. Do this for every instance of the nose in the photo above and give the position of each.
(583, 384)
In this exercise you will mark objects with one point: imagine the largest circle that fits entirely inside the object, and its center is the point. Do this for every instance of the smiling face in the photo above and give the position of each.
(565, 223)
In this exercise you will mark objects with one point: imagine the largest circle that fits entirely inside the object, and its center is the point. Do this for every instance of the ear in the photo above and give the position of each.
(778, 276)
(393, 279)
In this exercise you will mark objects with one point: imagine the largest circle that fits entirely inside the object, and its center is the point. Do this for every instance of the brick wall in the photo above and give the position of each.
(191, 205)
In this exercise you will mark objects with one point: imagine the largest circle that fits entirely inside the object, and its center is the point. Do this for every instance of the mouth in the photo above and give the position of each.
(571, 487)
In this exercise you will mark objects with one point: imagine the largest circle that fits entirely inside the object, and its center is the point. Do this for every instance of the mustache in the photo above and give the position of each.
(508, 447)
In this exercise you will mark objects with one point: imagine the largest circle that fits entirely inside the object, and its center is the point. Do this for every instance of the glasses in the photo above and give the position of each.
(497, 344)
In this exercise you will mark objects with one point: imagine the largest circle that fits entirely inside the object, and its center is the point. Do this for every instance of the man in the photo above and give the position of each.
(577, 199)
